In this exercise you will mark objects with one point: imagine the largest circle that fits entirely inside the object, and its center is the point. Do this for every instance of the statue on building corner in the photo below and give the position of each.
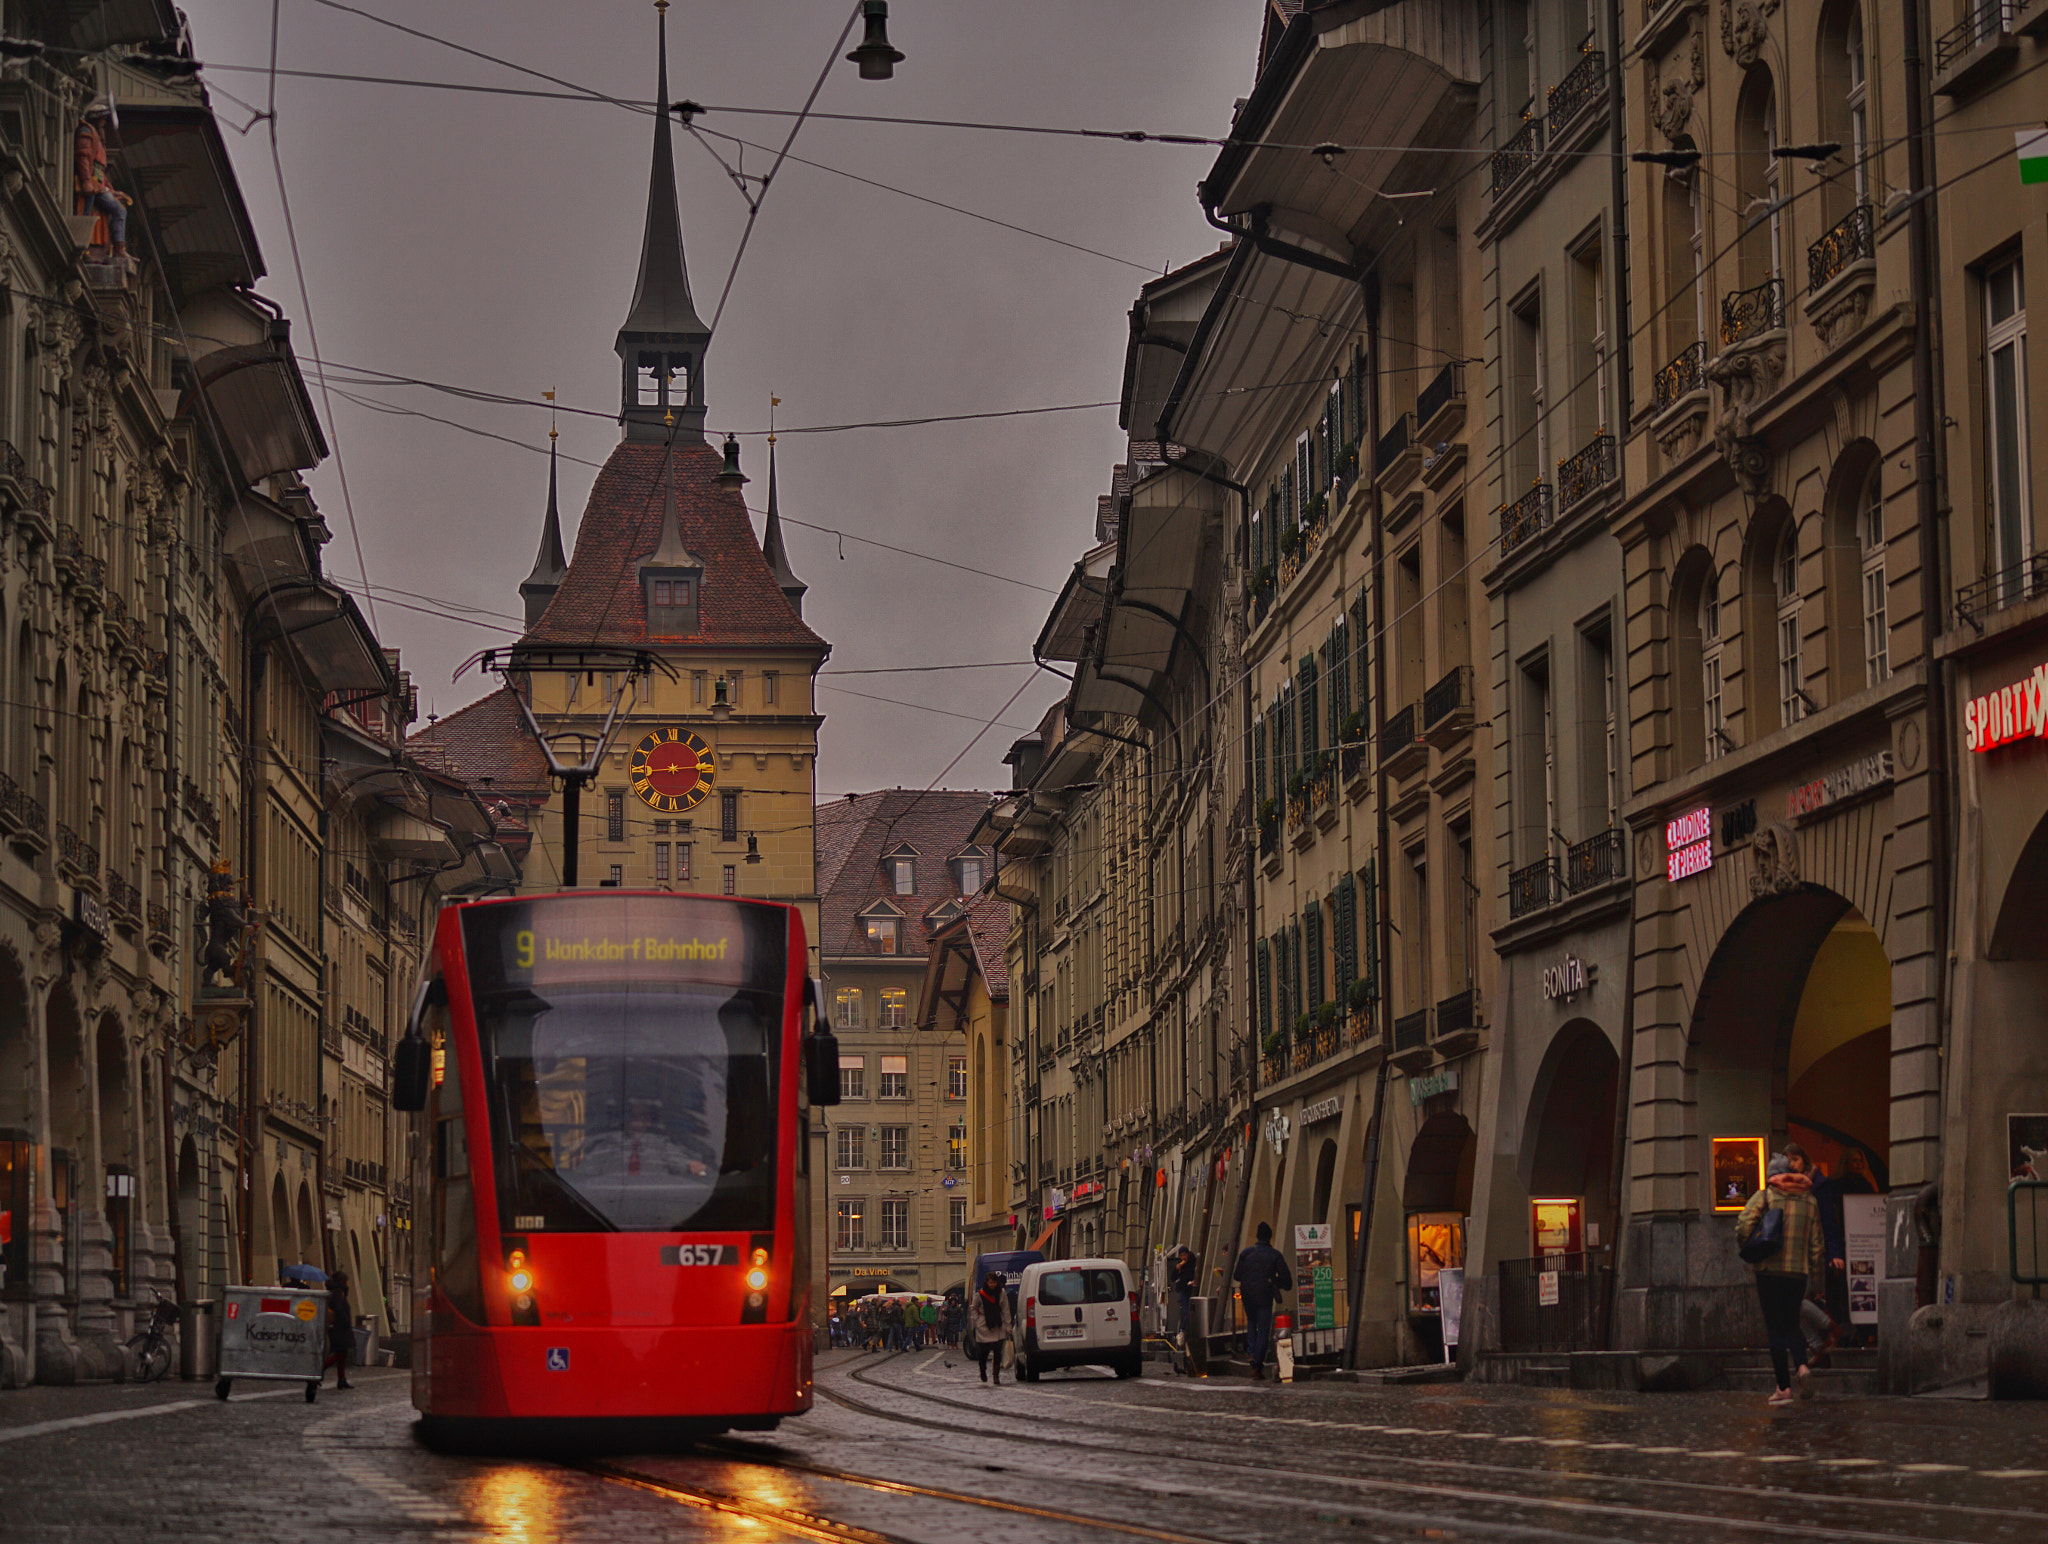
(227, 929)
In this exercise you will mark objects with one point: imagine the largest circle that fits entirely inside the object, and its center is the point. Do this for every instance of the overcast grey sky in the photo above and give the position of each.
(490, 242)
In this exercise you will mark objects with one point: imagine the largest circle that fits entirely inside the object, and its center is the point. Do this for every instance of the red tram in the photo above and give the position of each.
(612, 1094)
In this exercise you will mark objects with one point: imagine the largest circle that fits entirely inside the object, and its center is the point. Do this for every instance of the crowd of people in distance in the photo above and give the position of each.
(897, 1322)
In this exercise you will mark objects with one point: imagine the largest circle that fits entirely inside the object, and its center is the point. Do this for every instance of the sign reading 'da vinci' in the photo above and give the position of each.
(2015, 712)
(1689, 844)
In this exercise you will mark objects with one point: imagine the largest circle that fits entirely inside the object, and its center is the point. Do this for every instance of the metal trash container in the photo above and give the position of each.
(1195, 1331)
(366, 1345)
(197, 1339)
(276, 1333)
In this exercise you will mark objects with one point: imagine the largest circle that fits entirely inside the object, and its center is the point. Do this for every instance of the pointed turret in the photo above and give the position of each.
(539, 587)
(661, 346)
(772, 547)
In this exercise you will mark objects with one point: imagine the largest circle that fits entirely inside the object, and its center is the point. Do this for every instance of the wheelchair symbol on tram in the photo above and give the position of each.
(558, 1358)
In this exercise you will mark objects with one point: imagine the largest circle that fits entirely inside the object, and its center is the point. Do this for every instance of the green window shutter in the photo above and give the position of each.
(1289, 753)
(1346, 951)
(1361, 646)
(1258, 764)
(1370, 884)
(1312, 955)
(1287, 505)
(1286, 975)
(1265, 968)
(1306, 674)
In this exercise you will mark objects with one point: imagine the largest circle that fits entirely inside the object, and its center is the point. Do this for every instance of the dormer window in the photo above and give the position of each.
(882, 925)
(671, 601)
(672, 592)
(970, 870)
(899, 868)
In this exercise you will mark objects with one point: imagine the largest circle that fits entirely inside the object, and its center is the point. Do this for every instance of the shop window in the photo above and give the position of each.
(1436, 1243)
(17, 1193)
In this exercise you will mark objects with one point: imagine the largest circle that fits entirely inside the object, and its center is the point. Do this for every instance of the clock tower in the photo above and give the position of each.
(707, 781)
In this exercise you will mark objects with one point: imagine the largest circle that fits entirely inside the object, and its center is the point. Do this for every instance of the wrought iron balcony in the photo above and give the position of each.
(23, 815)
(1397, 734)
(1531, 888)
(1448, 702)
(123, 898)
(1393, 443)
(1851, 239)
(1517, 155)
(2008, 587)
(1457, 1015)
(1984, 21)
(1752, 312)
(75, 853)
(1588, 78)
(1685, 374)
(1530, 515)
(1596, 860)
(1411, 1031)
(1586, 471)
(1440, 393)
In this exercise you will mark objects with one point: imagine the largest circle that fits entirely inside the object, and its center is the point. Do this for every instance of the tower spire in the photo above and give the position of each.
(772, 546)
(661, 346)
(539, 587)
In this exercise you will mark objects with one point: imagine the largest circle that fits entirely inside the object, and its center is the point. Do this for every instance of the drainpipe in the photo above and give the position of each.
(1930, 518)
(1618, 200)
(252, 1072)
(1382, 845)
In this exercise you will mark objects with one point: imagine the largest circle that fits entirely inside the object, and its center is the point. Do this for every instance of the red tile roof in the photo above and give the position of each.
(600, 600)
(853, 834)
(988, 922)
(487, 739)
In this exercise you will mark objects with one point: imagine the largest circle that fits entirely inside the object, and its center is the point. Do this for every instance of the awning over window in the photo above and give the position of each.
(260, 401)
(97, 24)
(325, 632)
(175, 163)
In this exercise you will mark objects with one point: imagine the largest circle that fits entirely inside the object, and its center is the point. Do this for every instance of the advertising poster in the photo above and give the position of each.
(1314, 1278)
(1738, 1171)
(1863, 1239)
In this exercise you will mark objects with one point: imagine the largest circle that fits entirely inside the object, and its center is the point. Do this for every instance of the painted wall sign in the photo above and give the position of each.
(1844, 783)
(1689, 844)
(1431, 1084)
(2015, 712)
(1561, 983)
(1324, 1109)
(1738, 823)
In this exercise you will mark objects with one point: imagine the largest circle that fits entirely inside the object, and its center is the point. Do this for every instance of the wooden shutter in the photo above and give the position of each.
(1346, 951)
(1265, 1005)
(1305, 673)
(1361, 648)
(1369, 883)
(1312, 956)
(1258, 764)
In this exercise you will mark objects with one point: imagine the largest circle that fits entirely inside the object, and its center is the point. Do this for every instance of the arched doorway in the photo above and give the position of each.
(70, 1095)
(283, 1245)
(1568, 1149)
(1791, 1041)
(1326, 1178)
(191, 1223)
(310, 1250)
(117, 1151)
(1436, 1197)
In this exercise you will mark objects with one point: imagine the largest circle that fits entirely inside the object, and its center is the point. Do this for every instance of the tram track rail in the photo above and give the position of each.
(1121, 1442)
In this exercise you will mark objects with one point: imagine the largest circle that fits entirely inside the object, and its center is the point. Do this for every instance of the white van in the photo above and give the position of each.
(1078, 1313)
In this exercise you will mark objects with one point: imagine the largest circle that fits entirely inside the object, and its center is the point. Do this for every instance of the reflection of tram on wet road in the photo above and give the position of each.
(612, 1091)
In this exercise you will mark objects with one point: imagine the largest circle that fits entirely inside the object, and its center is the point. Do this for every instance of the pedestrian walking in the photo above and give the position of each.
(1180, 1277)
(1785, 1273)
(1821, 1317)
(1262, 1274)
(992, 1323)
(341, 1333)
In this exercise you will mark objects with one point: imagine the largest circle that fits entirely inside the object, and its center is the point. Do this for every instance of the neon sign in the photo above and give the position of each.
(2015, 712)
(1689, 844)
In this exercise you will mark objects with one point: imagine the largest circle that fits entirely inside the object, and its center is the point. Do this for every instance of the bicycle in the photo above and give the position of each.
(151, 1348)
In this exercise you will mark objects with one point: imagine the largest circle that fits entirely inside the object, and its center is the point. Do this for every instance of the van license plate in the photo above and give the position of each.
(1062, 1332)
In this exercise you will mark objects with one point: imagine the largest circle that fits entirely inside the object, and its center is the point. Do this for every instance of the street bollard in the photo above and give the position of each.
(198, 1340)
(1194, 1330)
(1283, 1346)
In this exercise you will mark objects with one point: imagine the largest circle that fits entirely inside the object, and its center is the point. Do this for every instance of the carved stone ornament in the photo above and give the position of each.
(1842, 320)
(1774, 859)
(1745, 376)
(1674, 106)
(1745, 28)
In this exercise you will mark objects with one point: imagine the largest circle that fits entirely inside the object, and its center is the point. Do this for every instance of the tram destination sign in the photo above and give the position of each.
(607, 939)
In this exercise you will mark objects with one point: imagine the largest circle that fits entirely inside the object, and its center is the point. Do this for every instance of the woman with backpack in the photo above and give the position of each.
(1779, 1234)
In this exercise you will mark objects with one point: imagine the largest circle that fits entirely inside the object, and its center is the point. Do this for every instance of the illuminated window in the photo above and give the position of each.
(683, 862)
(956, 1077)
(853, 1225)
(881, 932)
(895, 1080)
(895, 1007)
(956, 1147)
(846, 1008)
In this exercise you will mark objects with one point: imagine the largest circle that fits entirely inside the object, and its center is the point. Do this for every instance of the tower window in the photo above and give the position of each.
(729, 815)
(615, 815)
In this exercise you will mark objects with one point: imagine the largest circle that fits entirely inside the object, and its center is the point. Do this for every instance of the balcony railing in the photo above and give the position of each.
(1984, 21)
(123, 898)
(1448, 696)
(1586, 471)
(1517, 155)
(1531, 888)
(1448, 387)
(1398, 733)
(1851, 239)
(1393, 442)
(2008, 587)
(1411, 1031)
(1685, 374)
(76, 853)
(1752, 312)
(1596, 860)
(1529, 516)
(1457, 1014)
(1588, 78)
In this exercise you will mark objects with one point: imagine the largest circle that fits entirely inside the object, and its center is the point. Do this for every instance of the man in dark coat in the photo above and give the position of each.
(341, 1334)
(1261, 1274)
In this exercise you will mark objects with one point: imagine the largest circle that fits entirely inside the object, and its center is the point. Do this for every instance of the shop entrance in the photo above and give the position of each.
(1436, 1198)
(1792, 1042)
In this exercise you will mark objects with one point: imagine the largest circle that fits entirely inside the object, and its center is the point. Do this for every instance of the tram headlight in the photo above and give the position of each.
(522, 1282)
(757, 1280)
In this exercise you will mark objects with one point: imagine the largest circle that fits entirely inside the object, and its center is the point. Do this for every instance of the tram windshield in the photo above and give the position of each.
(630, 1090)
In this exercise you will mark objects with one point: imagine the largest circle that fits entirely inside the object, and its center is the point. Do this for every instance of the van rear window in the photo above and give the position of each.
(1062, 1289)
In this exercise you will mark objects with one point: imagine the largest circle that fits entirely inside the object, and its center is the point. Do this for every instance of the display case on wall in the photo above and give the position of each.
(1436, 1242)
(1737, 1171)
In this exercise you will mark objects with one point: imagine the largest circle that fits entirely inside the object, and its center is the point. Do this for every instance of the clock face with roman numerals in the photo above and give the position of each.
(672, 770)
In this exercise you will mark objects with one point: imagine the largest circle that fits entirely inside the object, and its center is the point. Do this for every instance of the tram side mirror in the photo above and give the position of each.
(412, 1070)
(821, 1066)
